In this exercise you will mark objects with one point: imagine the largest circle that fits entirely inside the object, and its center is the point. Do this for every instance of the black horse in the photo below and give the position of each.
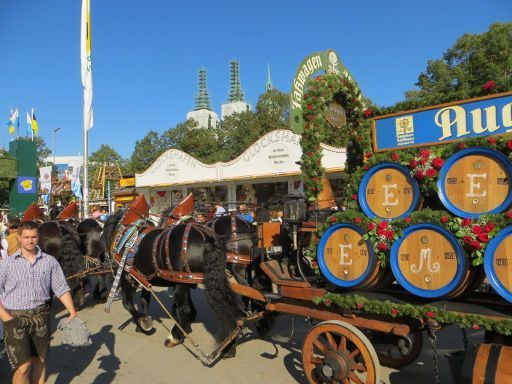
(205, 254)
(92, 245)
(60, 239)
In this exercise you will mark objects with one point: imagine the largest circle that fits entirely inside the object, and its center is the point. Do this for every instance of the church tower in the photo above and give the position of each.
(236, 99)
(203, 113)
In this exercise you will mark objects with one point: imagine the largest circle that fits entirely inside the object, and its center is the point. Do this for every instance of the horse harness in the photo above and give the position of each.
(234, 257)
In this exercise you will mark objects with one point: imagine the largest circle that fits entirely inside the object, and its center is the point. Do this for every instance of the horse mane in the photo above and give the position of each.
(110, 226)
(92, 244)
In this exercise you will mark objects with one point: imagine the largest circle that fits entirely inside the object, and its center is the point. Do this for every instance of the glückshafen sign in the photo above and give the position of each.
(440, 124)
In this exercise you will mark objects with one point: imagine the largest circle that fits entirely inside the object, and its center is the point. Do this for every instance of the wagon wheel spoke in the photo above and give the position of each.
(354, 378)
(331, 341)
(316, 360)
(358, 367)
(354, 353)
(343, 344)
(317, 343)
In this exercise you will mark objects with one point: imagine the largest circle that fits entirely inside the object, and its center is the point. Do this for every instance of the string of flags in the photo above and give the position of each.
(14, 123)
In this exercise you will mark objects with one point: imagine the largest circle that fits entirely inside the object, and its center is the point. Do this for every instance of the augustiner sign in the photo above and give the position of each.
(439, 124)
(327, 61)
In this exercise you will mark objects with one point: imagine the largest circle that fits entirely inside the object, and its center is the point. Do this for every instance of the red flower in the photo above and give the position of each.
(394, 312)
(437, 163)
(509, 145)
(467, 239)
(381, 232)
(489, 227)
(311, 118)
(420, 175)
(357, 219)
(477, 229)
(444, 219)
(327, 302)
(383, 224)
(466, 222)
(483, 238)
(310, 154)
(315, 178)
(475, 245)
(333, 219)
(475, 327)
(489, 86)
(390, 234)
(359, 138)
(354, 196)
(431, 172)
(491, 140)
(423, 161)
(508, 214)
(425, 153)
(310, 107)
(368, 112)
(371, 226)
(314, 264)
(395, 157)
(366, 167)
(430, 314)
(368, 155)
(306, 126)
(413, 164)
(359, 306)
(407, 219)
(462, 146)
(382, 246)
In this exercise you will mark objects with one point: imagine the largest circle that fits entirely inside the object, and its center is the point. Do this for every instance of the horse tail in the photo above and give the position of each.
(218, 292)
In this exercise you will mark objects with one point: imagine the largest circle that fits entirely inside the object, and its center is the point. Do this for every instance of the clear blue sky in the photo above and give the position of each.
(146, 55)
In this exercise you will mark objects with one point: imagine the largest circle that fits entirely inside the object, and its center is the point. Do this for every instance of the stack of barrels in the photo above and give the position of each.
(426, 260)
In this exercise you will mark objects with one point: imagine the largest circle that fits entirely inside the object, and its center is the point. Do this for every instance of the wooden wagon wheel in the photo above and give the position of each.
(337, 352)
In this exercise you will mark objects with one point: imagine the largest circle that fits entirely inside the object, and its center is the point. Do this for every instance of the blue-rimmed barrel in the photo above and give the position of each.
(498, 263)
(347, 260)
(388, 191)
(428, 262)
(475, 181)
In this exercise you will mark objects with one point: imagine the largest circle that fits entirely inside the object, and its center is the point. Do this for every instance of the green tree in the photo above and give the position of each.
(42, 152)
(146, 151)
(476, 65)
(273, 111)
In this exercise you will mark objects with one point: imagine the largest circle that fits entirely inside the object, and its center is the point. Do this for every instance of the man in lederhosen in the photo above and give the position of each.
(26, 280)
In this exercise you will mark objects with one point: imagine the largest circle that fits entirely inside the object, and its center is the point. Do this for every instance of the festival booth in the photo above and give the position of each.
(261, 176)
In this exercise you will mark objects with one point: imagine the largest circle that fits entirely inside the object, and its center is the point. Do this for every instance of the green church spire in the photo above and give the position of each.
(202, 97)
(268, 84)
(235, 91)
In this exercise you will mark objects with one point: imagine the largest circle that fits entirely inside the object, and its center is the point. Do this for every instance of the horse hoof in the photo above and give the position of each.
(172, 342)
(138, 329)
(146, 323)
(230, 353)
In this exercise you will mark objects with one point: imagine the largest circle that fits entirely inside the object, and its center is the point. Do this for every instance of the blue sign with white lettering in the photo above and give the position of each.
(444, 123)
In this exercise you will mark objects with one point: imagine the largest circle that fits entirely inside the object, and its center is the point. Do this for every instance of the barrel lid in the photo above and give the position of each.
(321, 257)
(441, 185)
(426, 293)
(490, 270)
(363, 202)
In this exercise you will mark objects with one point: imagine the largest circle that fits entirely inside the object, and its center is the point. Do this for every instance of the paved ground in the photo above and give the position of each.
(124, 356)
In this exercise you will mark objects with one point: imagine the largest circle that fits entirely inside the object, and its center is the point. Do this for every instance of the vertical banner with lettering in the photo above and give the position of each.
(45, 183)
(76, 185)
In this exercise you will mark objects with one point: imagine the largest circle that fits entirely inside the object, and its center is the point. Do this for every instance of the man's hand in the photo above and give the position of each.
(71, 316)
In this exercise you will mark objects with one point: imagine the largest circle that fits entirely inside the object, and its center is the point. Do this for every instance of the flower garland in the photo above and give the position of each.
(425, 169)
(381, 234)
(425, 312)
(320, 92)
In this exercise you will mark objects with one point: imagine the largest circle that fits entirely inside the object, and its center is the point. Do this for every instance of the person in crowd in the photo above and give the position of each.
(245, 214)
(104, 214)
(26, 280)
(95, 213)
(200, 218)
(13, 243)
(219, 210)
(3, 248)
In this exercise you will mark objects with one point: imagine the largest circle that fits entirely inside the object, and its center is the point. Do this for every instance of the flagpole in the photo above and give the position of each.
(86, 175)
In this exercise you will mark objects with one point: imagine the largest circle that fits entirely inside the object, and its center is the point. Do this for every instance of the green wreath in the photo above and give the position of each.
(320, 92)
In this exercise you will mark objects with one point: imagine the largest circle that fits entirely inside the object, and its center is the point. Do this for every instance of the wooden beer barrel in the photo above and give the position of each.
(429, 262)
(388, 191)
(498, 263)
(487, 364)
(347, 260)
(475, 181)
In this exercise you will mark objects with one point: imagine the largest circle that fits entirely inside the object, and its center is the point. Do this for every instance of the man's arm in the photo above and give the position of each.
(4, 316)
(68, 303)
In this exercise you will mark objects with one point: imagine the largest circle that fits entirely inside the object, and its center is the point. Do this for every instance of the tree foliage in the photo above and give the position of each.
(146, 152)
(476, 65)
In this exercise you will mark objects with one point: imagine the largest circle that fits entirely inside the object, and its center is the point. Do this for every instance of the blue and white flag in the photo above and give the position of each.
(76, 185)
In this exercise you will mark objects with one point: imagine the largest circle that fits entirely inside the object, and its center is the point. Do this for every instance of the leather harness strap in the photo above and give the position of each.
(184, 247)
(168, 232)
